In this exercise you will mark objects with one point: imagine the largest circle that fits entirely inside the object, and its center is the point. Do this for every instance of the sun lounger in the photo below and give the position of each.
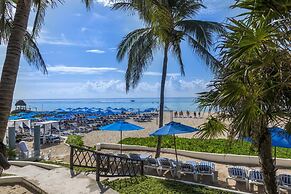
(238, 173)
(206, 168)
(135, 156)
(24, 151)
(284, 181)
(255, 178)
(150, 163)
(165, 166)
(186, 168)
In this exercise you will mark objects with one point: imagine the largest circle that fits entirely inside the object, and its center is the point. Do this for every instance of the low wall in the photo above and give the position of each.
(38, 164)
(11, 180)
(219, 158)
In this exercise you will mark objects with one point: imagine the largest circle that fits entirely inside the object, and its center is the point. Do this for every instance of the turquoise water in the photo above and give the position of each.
(141, 103)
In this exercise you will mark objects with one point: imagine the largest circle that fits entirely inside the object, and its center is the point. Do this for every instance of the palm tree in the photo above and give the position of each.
(167, 24)
(13, 32)
(253, 89)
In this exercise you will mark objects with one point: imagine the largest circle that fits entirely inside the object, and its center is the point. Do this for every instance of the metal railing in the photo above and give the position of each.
(105, 165)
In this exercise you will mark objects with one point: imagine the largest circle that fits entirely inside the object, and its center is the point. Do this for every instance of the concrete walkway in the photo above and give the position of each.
(59, 180)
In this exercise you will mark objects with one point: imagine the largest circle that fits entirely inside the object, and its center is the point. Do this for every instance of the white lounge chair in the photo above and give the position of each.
(24, 151)
(150, 163)
(206, 168)
(165, 166)
(284, 181)
(187, 168)
(255, 178)
(238, 173)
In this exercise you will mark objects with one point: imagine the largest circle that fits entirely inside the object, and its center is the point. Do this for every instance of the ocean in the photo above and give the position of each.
(176, 104)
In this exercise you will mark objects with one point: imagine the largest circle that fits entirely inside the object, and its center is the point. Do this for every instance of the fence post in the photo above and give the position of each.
(97, 167)
(71, 158)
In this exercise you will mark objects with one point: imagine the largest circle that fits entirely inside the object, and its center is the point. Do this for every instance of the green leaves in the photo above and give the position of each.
(167, 22)
(211, 129)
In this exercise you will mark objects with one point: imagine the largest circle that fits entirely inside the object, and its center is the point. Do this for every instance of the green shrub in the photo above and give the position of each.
(220, 146)
(144, 185)
(75, 140)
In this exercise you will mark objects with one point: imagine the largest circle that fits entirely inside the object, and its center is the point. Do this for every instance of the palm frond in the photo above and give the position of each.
(32, 53)
(201, 30)
(40, 8)
(140, 54)
(210, 60)
(211, 129)
(88, 3)
(176, 49)
(128, 41)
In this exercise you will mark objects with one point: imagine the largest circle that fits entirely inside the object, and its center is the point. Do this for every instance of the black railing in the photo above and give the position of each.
(106, 165)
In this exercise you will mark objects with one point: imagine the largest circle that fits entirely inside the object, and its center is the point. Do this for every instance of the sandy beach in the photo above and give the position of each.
(94, 137)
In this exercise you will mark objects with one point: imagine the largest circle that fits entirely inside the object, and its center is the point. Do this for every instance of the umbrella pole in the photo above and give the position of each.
(176, 149)
(121, 141)
(275, 155)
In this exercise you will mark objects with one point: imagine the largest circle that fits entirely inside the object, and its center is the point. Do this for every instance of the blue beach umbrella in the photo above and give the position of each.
(279, 137)
(121, 126)
(174, 128)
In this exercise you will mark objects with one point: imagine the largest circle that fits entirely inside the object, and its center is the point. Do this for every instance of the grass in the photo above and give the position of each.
(149, 185)
(5, 174)
(75, 140)
(220, 146)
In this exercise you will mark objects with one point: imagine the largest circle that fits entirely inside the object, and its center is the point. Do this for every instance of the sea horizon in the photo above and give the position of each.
(171, 103)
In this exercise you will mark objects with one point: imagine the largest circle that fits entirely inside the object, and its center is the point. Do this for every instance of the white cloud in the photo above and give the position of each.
(106, 2)
(84, 29)
(62, 40)
(96, 51)
(151, 73)
(80, 70)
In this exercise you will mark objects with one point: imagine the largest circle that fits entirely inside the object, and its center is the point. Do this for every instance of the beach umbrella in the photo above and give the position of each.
(121, 126)
(174, 128)
(280, 138)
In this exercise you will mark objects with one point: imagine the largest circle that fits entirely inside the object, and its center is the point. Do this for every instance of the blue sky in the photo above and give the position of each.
(79, 48)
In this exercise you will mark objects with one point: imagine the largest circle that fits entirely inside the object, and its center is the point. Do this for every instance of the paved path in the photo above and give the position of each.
(59, 181)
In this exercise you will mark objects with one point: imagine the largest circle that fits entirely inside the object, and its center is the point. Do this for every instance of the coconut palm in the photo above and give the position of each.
(14, 16)
(253, 90)
(13, 32)
(167, 24)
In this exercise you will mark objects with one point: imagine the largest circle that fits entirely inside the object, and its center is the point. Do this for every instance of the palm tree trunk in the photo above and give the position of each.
(162, 98)
(11, 64)
(266, 161)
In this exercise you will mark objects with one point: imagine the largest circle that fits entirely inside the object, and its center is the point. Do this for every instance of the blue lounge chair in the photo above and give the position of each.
(238, 173)
(255, 178)
(165, 166)
(284, 181)
(206, 168)
(187, 168)
(150, 163)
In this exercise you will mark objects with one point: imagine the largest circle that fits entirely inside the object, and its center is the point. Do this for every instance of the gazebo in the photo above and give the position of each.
(20, 105)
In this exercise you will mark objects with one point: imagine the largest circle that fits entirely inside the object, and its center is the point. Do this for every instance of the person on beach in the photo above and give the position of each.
(176, 114)
(181, 114)
(188, 113)
(195, 115)
(199, 114)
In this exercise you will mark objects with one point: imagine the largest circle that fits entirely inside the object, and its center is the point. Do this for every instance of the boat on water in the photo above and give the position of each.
(132, 100)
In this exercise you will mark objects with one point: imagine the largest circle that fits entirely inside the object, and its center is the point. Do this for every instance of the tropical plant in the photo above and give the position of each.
(253, 90)
(14, 17)
(167, 24)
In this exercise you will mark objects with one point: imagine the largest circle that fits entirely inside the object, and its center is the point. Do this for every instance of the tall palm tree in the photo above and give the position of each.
(13, 32)
(253, 89)
(167, 24)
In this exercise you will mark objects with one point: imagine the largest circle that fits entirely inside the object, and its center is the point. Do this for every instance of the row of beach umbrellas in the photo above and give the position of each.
(279, 136)
(69, 113)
